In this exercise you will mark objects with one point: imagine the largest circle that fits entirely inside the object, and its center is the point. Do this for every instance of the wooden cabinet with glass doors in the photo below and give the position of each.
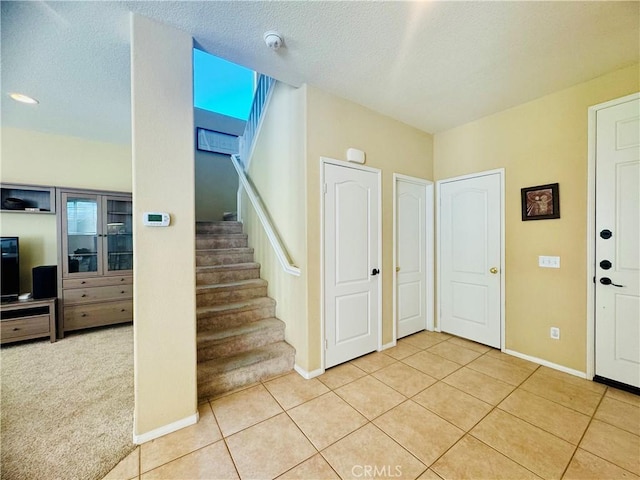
(95, 282)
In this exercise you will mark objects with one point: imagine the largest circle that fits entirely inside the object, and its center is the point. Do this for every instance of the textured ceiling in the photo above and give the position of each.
(433, 65)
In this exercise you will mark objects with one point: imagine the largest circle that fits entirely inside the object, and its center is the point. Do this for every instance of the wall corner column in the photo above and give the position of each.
(164, 258)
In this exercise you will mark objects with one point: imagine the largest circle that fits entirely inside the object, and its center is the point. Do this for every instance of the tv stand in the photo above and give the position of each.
(28, 319)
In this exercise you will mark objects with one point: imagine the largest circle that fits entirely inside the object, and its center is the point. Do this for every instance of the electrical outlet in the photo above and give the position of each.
(555, 333)
(548, 262)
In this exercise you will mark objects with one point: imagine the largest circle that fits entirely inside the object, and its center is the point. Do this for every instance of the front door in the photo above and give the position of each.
(351, 262)
(411, 255)
(470, 257)
(617, 243)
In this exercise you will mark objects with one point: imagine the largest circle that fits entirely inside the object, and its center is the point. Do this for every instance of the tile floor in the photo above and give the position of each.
(432, 407)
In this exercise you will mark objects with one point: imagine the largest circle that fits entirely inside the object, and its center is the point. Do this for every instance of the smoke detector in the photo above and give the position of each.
(273, 39)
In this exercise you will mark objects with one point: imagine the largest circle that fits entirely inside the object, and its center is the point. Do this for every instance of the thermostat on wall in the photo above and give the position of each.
(156, 219)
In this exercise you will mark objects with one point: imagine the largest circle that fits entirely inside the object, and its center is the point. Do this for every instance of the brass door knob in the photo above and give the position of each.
(493, 270)
(397, 269)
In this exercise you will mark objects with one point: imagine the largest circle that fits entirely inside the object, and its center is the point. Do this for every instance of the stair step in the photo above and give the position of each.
(227, 273)
(218, 227)
(238, 339)
(223, 256)
(229, 373)
(227, 240)
(234, 314)
(230, 292)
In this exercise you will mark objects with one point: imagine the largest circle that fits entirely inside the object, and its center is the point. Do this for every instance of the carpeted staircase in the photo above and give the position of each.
(239, 339)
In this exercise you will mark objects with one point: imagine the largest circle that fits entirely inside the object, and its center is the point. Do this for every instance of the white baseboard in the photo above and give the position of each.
(388, 345)
(308, 375)
(166, 429)
(546, 363)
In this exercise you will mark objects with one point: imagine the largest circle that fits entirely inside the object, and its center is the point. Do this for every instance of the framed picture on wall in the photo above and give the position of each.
(541, 202)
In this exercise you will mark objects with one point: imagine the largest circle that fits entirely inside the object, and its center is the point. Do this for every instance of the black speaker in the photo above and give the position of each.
(45, 281)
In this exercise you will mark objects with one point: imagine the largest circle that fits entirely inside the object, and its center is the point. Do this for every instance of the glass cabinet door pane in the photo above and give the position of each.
(119, 235)
(82, 234)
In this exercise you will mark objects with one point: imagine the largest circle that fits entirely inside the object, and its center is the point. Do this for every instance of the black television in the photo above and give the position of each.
(10, 285)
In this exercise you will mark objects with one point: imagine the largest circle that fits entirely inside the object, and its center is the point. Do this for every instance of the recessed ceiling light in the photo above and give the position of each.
(19, 97)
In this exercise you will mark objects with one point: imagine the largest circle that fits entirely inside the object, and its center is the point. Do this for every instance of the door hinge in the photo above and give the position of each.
(326, 344)
(324, 188)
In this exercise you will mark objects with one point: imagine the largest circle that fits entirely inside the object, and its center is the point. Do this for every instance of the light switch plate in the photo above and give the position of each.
(548, 262)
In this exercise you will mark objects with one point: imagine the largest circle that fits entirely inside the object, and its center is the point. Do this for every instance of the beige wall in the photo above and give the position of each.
(164, 258)
(543, 141)
(333, 125)
(38, 245)
(216, 186)
(216, 179)
(278, 171)
(286, 172)
(45, 159)
(37, 158)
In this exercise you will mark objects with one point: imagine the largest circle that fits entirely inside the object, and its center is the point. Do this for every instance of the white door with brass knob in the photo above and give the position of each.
(413, 216)
(470, 257)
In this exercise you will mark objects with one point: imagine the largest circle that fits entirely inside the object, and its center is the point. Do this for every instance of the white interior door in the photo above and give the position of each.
(351, 262)
(617, 243)
(470, 248)
(411, 255)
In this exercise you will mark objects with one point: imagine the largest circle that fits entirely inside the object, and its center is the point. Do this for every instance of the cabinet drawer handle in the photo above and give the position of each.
(123, 310)
(84, 295)
(122, 291)
(15, 329)
(83, 315)
(82, 282)
(122, 279)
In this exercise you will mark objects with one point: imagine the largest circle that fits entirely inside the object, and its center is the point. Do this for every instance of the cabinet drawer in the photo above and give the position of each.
(25, 326)
(85, 295)
(83, 316)
(97, 281)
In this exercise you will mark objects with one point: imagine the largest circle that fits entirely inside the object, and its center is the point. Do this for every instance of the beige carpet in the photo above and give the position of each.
(67, 407)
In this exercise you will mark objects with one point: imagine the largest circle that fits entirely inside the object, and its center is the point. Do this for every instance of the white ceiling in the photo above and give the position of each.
(433, 65)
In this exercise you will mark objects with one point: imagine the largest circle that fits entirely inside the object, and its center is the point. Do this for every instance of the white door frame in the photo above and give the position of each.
(501, 172)
(428, 187)
(591, 228)
(331, 161)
